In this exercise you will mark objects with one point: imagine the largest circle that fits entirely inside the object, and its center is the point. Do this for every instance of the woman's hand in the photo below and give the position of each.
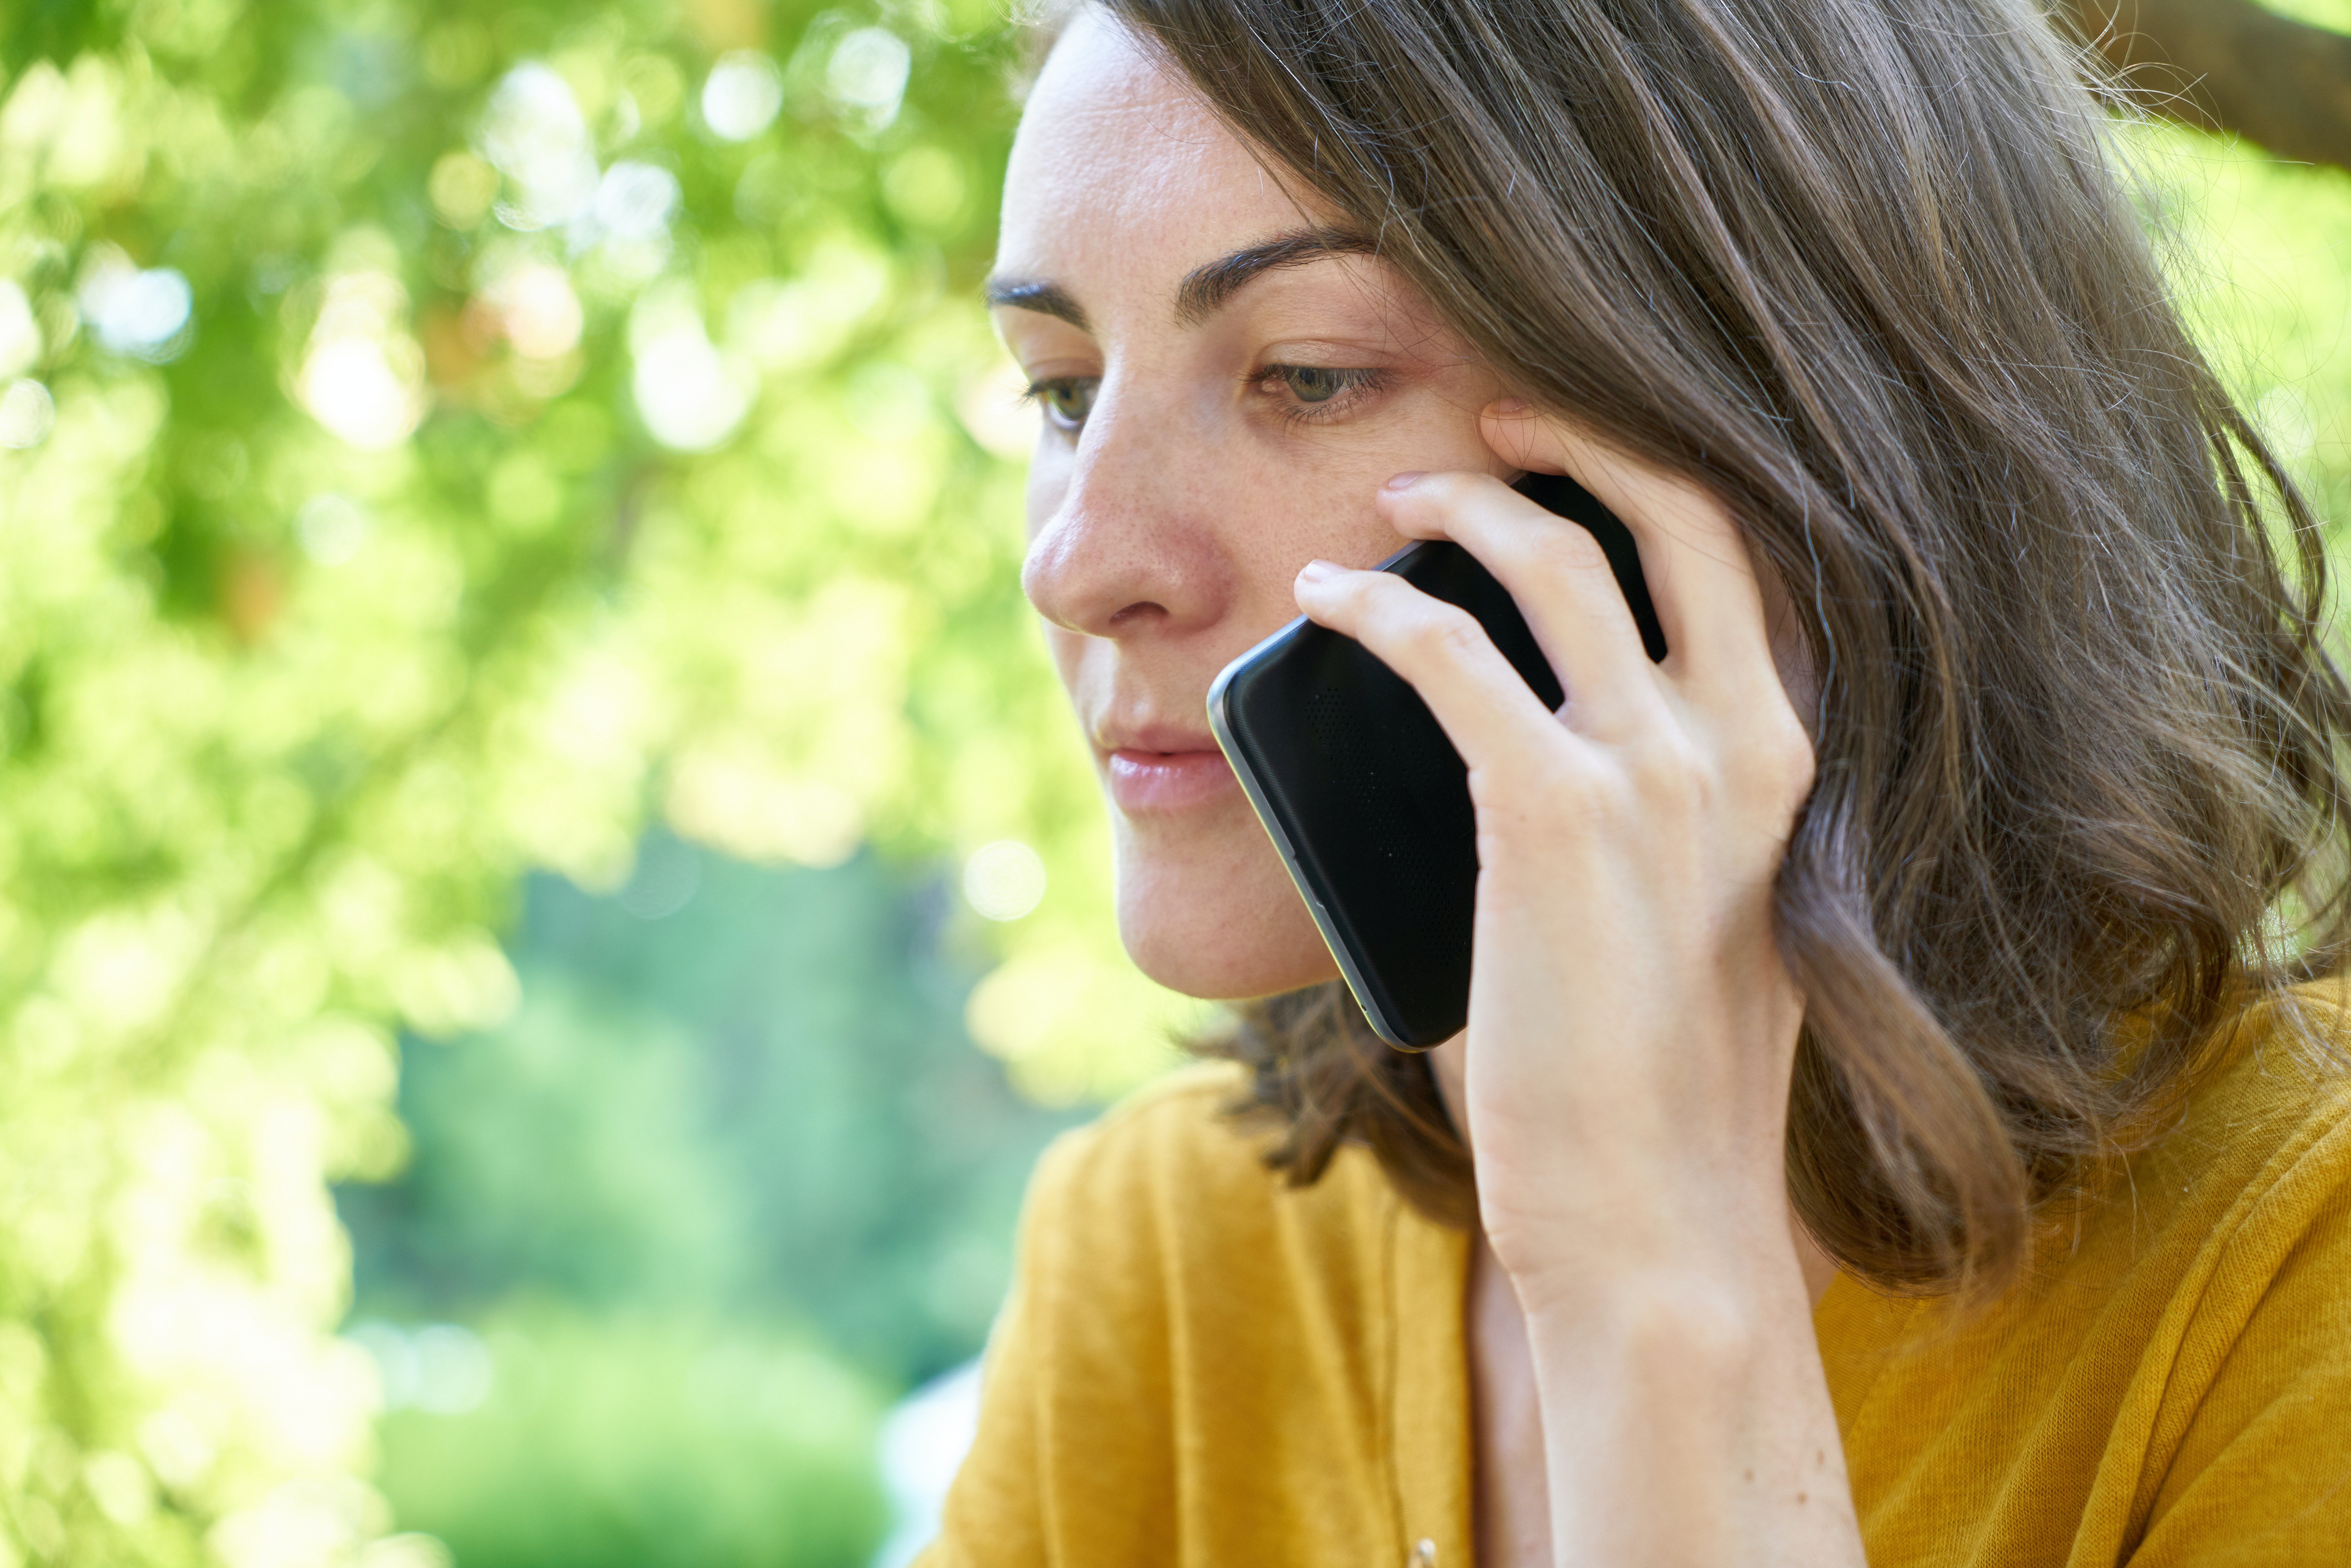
(1632, 1028)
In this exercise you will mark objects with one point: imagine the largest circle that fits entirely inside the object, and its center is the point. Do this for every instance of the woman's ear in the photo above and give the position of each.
(1528, 438)
(1510, 425)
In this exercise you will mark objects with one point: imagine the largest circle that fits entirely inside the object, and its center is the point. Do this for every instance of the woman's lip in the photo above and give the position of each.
(1143, 781)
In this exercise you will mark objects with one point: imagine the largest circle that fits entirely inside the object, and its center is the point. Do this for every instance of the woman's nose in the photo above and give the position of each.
(1128, 546)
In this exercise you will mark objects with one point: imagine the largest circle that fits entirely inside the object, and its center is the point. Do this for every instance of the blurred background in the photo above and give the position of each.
(548, 900)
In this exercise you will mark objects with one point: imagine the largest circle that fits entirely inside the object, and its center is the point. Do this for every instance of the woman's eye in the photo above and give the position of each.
(1067, 400)
(1314, 383)
(1309, 391)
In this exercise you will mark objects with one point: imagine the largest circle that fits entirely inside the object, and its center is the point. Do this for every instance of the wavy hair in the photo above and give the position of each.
(1870, 271)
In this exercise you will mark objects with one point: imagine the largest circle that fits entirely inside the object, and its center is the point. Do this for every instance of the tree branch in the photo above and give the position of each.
(2232, 65)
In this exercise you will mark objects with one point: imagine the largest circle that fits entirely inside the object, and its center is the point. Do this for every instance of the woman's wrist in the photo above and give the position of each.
(1686, 1416)
(1583, 1237)
(1716, 1312)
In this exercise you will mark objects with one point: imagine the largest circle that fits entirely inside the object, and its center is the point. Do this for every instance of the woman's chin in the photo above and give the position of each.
(1220, 946)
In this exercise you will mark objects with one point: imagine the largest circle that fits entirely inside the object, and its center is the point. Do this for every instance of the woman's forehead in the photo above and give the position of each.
(1119, 171)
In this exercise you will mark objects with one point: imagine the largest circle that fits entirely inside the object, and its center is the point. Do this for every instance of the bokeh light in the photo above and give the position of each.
(141, 311)
(20, 335)
(1004, 880)
(741, 95)
(690, 395)
(536, 135)
(867, 74)
(363, 377)
(27, 415)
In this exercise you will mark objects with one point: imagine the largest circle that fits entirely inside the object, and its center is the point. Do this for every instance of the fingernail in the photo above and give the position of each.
(1405, 481)
(1508, 407)
(1317, 572)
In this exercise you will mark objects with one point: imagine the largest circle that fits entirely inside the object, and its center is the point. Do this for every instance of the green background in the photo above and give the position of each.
(509, 642)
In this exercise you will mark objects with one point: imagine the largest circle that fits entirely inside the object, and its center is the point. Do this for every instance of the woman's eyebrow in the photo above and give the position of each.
(1206, 287)
(1045, 298)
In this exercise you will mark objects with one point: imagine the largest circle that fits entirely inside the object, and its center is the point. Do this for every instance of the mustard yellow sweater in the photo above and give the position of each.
(1202, 1367)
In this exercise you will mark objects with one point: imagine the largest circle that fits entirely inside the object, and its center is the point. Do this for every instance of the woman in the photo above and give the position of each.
(1887, 1129)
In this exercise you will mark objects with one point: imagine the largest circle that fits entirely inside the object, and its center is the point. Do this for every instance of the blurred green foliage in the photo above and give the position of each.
(760, 1104)
(731, 1179)
(632, 1441)
(2259, 258)
(434, 438)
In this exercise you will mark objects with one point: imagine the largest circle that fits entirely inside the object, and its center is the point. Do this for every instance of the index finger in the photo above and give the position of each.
(1701, 576)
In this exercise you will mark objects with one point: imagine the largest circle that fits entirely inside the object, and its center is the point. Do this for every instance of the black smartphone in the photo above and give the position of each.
(1363, 795)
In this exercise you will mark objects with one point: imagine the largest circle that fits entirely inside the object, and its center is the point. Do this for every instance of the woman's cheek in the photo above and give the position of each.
(1049, 479)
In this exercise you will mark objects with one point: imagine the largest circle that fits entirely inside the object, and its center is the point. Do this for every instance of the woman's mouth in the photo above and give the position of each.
(1152, 781)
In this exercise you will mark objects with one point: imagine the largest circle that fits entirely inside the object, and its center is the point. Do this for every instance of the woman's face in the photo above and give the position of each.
(1224, 384)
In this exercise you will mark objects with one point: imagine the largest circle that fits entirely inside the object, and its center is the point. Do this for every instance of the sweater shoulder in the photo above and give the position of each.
(2239, 1165)
(1172, 1183)
(1182, 1134)
(2274, 1098)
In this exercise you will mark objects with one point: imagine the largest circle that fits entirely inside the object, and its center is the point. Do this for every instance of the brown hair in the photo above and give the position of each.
(1866, 270)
